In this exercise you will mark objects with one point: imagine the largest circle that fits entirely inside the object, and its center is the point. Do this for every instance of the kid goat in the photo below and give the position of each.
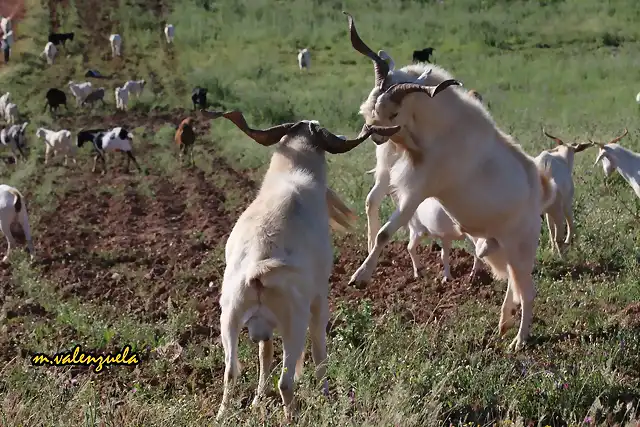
(279, 257)
(450, 148)
(625, 161)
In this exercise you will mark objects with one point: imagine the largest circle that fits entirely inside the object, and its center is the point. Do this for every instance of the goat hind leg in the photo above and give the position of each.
(229, 332)
(568, 213)
(293, 340)
(401, 216)
(5, 226)
(414, 240)
(444, 255)
(318, 333)
(372, 204)
(266, 358)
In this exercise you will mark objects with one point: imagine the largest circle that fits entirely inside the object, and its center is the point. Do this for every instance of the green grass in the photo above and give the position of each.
(584, 360)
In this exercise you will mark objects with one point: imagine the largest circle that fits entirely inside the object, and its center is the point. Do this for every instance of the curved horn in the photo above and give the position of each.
(555, 138)
(336, 145)
(398, 91)
(599, 144)
(264, 137)
(380, 67)
(618, 138)
(211, 114)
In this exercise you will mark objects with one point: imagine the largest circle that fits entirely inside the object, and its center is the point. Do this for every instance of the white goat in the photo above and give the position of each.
(4, 100)
(50, 51)
(134, 87)
(115, 41)
(277, 265)
(451, 149)
(80, 90)
(5, 24)
(304, 59)
(558, 162)
(616, 157)
(14, 138)
(57, 142)
(116, 139)
(13, 210)
(168, 33)
(11, 113)
(122, 98)
(430, 218)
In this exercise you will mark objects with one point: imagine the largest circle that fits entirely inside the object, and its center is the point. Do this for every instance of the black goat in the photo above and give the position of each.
(199, 97)
(423, 55)
(60, 38)
(55, 98)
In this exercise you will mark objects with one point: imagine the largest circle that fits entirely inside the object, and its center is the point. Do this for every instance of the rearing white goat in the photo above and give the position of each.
(450, 148)
(279, 257)
(615, 157)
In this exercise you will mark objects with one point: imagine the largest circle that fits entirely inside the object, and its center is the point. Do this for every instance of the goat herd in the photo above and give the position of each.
(455, 175)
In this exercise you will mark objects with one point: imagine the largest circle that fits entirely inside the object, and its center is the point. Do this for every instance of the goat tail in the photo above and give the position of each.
(549, 190)
(18, 203)
(341, 218)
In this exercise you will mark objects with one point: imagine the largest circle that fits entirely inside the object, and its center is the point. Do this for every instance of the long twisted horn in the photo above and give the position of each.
(380, 67)
(397, 92)
(555, 138)
(264, 137)
(336, 145)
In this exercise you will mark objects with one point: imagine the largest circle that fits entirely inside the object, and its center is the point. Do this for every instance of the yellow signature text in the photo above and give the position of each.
(76, 356)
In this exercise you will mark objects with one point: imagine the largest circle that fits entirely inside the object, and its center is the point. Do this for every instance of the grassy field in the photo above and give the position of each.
(137, 258)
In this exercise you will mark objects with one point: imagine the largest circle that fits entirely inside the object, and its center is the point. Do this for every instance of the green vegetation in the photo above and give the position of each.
(582, 366)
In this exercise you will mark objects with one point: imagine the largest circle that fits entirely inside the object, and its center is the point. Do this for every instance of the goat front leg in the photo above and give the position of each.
(444, 255)
(399, 218)
(523, 282)
(5, 226)
(476, 261)
(568, 213)
(414, 241)
(372, 204)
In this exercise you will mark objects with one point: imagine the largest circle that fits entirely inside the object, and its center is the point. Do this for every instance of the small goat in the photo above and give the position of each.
(4, 100)
(168, 33)
(13, 210)
(122, 98)
(423, 55)
(80, 90)
(277, 265)
(134, 87)
(615, 157)
(450, 148)
(304, 59)
(49, 52)
(115, 41)
(432, 219)
(57, 142)
(14, 138)
(558, 162)
(199, 97)
(55, 98)
(60, 38)
(116, 139)
(93, 97)
(11, 113)
(185, 136)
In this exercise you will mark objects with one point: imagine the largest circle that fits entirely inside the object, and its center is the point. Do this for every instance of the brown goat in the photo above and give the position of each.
(185, 137)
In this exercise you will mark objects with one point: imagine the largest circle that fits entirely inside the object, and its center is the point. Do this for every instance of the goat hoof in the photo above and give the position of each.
(516, 345)
(360, 277)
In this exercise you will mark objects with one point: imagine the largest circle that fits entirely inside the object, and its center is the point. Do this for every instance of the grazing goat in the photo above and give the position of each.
(115, 41)
(168, 33)
(11, 113)
(134, 87)
(60, 38)
(116, 139)
(185, 136)
(199, 97)
(80, 90)
(277, 265)
(13, 210)
(49, 52)
(423, 55)
(122, 98)
(14, 138)
(304, 59)
(558, 162)
(615, 157)
(55, 98)
(96, 95)
(431, 219)
(450, 148)
(57, 142)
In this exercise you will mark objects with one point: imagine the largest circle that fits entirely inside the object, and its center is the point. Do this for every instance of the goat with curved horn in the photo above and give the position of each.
(266, 137)
(613, 141)
(555, 138)
(380, 66)
(398, 91)
(335, 145)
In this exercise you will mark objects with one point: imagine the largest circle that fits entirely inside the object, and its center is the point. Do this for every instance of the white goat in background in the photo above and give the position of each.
(615, 157)
(115, 41)
(304, 59)
(450, 148)
(279, 258)
(12, 210)
(57, 142)
(169, 32)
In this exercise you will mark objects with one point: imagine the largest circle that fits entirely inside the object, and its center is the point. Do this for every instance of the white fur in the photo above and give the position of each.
(115, 41)
(8, 215)
(169, 32)
(122, 98)
(80, 90)
(50, 51)
(5, 24)
(626, 162)
(4, 100)
(11, 113)
(450, 148)
(134, 87)
(14, 138)
(304, 59)
(431, 219)
(57, 142)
